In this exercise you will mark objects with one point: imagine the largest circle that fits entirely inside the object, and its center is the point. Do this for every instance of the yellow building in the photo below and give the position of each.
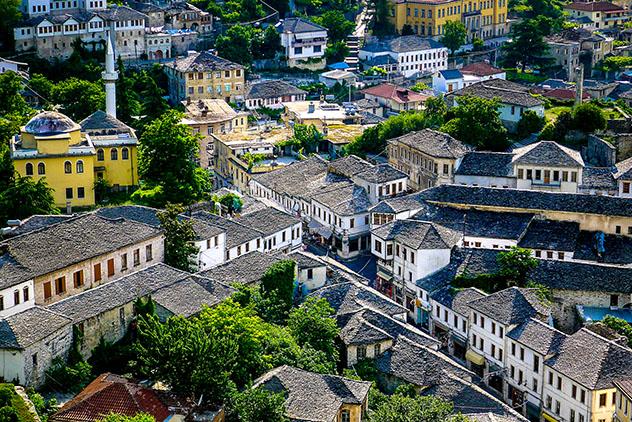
(483, 19)
(53, 147)
(623, 411)
(205, 75)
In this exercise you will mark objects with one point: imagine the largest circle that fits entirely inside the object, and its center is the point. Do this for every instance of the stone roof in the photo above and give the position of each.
(512, 306)
(403, 44)
(548, 153)
(591, 360)
(349, 166)
(21, 330)
(434, 143)
(313, 397)
(36, 222)
(601, 178)
(298, 25)
(127, 289)
(475, 223)
(101, 123)
(121, 13)
(204, 61)
(208, 110)
(624, 168)
(418, 234)
(269, 221)
(550, 235)
(272, 89)
(625, 386)
(564, 275)
(457, 299)
(304, 260)
(393, 92)
(481, 69)
(617, 248)
(418, 365)
(368, 326)
(538, 336)
(482, 163)
(60, 245)
(347, 199)
(507, 92)
(451, 74)
(187, 297)
(381, 173)
(110, 393)
(471, 400)
(236, 233)
(245, 269)
(527, 200)
(350, 297)
(595, 6)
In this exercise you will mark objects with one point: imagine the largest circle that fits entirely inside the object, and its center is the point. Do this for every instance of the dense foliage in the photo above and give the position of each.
(256, 405)
(454, 35)
(180, 251)
(619, 325)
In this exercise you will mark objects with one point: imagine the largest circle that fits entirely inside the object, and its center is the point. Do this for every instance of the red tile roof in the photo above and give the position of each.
(563, 94)
(395, 93)
(480, 69)
(597, 6)
(110, 393)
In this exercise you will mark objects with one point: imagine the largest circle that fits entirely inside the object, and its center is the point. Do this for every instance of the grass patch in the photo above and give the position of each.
(516, 75)
(552, 113)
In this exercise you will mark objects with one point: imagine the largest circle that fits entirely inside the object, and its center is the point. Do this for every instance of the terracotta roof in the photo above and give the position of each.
(395, 93)
(110, 393)
(564, 94)
(481, 69)
(597, 6)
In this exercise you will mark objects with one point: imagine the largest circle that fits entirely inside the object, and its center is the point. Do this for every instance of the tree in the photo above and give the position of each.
(179, 238)
(191, 357)
(12, 105)
(127, 101)
(402, 407)
(256, 405)
(557, 130)
(166, 163)
(407, 29)
(338, 27)
(515, 265)
(9, 414)
(382, 25)
(79, 98)
(619, 325)
(529, 123)
(9, 16)
(527, 46)
(277, 286)
(153, 105)
(454, 35)
(588, 118)
(435, 111)
(307, 136)
(140, 417)
(24, 197)
(336, 52)
(478, 44)
(281, 6)
(271, 43)
(235, 45)
(477, 122)
(312, 323)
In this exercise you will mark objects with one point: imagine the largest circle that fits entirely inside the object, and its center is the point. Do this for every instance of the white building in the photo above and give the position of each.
(413, 54)
(272, 94)
(304, 43)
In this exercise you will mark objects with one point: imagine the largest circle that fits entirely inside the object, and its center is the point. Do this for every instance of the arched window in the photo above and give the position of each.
(100, 155)
(41, 168)
(79, 166)
(114, 154)
(67, 167)
(29, 169)
(124, 154)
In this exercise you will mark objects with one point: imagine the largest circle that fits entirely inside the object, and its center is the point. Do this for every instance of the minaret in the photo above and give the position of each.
(109, 77)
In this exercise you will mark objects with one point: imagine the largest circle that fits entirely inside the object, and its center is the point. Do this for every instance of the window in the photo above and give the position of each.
(572, 415)
(100, 155)
(124, 262)
(125, 154)
(298, 50)
(513, 349)
(377, 349)
(68, 193)
(149, 255)
(602, 399)
(29, 169)
(582, 396)
(136, 257)
(60, 285)
(110, 267)
(77, 278)
(536, 364)
(47, 291)
(557, 407)
(34, 359)
(522, 353)
(626, 187)
(534, 385)
(550, 378)
(559, 383)
(16, 297)
(547, 403)
(310, 274)
(618, 229)
(614, 301)
(25, 294)
(345, 416)
(361, 352)
(41, 169)
(79, 166)
(81, 193)
(114, 154)
(97, 272)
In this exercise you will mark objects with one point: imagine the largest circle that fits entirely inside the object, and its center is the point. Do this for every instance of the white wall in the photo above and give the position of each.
(8, 298)
(485, 181)
(212, 252)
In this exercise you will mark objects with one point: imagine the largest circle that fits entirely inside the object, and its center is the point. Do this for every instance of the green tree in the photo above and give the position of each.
(435, 111)
(179, 238)
(312, 323)
(127, 101)
(79, 98)
(235, 45)
(478, 44)
(24, 197)
(336, 52)
(307, 136)
(140, 417)
(256, 405)
(271, 43)
(527, 46)
(588, 118)
(529, 123)
(12, 105)
(477, 122)
(454, 35)
(515, 265)
(382, 25)
(557, 130)
(277, 286)
(191, 357)
(9, 414)
(153, 105)
(338, 27)
(9, 16)
(407, 29)
(281, 6)
(404, 408)
(619, 325)
(166, 163)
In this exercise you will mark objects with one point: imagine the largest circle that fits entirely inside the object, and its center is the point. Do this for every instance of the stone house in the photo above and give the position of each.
(272, 94)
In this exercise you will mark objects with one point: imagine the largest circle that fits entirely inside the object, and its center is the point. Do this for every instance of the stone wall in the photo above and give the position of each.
(599, 153)
(566, 301)
(110, 325)
(56, 345)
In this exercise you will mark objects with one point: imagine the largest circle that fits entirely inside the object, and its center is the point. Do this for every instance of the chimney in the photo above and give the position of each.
(311, 108)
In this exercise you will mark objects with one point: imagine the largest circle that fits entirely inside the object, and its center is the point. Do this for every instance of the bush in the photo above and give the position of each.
(68, 378)
(529, 123)
(6, 394)
(8, 414)
(588, 118)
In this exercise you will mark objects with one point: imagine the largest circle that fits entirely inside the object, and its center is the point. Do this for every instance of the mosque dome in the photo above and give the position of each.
(50, 123)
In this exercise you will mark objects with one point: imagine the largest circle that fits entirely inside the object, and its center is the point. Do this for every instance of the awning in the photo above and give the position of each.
(384, 276)
(318, 228)
(548, 417)
(474, 357)
(313, 224)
